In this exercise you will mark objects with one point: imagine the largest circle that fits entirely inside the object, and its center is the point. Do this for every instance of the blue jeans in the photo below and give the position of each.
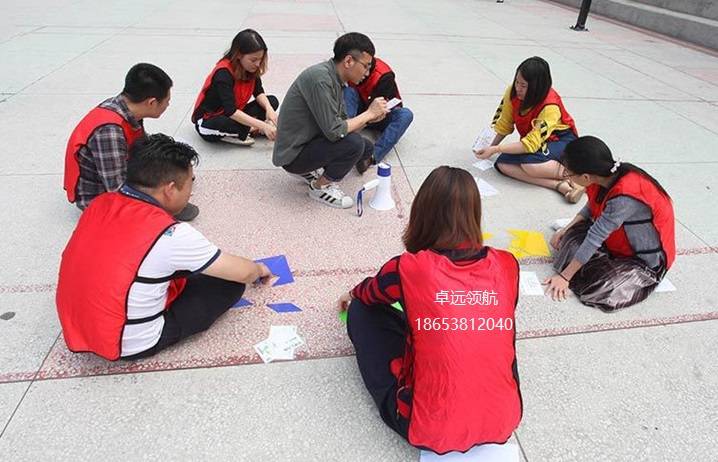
(392, 127)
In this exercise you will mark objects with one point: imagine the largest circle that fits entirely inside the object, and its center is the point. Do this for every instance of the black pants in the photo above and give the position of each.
(203, 300)
(231, 127)
(337, 159)
(378, 333)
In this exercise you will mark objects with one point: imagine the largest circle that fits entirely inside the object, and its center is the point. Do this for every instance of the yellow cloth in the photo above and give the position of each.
(548, 120)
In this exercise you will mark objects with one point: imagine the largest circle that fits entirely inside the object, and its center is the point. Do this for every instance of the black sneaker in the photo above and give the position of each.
(188, 213)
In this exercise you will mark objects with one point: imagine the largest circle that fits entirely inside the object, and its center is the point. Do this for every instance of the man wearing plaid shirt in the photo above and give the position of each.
(99, 145)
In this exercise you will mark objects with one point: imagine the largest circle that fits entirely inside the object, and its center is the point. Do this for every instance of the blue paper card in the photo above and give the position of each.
(242, 303)
(284, 307)
(279, 266)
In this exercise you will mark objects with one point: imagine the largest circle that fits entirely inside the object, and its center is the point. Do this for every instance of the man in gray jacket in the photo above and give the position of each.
(314, 132)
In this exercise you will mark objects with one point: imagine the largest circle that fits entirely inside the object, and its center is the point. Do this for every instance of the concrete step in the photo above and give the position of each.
(707, 9)
(694, 22)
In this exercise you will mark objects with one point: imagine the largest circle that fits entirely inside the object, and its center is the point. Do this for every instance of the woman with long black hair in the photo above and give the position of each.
(223, 111)
(533, 106)
(617, 249)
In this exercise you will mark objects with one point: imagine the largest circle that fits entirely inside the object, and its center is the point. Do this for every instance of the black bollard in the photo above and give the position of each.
(582, 15)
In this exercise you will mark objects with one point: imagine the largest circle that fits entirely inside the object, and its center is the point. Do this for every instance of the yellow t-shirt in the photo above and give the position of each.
(548, 120)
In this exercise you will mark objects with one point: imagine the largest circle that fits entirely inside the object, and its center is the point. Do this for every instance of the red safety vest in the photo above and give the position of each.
(95, 119)
(524, 123)
(367, 86)
(456, 380)
(640, 188)
(99, 265)
(243, 90)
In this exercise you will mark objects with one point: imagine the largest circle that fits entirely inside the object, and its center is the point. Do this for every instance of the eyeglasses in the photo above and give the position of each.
(366, 66)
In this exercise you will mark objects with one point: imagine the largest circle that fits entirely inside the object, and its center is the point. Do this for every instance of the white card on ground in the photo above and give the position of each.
(665, 286)
(392, 103)
(508, 452)
(485, 189)
(484, 164)
(484, 139)
(265, 350)
(560, 223)
(530, 284)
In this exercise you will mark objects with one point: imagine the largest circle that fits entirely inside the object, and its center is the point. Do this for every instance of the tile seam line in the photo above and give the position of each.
(29, 385)
(593, 329)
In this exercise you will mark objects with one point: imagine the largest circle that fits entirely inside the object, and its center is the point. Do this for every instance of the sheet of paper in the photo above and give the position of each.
(264, 349)
(279, 266)
(485, 189)
(530, 284)
(484, 164)
(343, 316)
(391, 104)
(508, 452)
(526, 243)
(484, 138)
(284, 307)
(242, 303)
(665, 286)
(560, 223)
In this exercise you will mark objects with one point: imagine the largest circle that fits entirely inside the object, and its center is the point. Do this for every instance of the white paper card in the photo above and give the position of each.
(560, 223)
(485, 189)
(265, 349)
(484, 164)
(665, 286)
(508, 452)
(391, 104)
(484, 139)
(530, 284)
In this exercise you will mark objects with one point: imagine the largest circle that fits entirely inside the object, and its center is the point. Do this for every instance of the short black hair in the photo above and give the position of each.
(158, 159)
(351, 44)
(537, 73)
(144, 81)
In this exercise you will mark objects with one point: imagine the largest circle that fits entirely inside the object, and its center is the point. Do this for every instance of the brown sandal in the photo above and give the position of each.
(574, 192)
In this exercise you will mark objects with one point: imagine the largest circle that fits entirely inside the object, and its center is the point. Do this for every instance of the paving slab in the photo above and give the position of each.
(300, 411)
(10, 396)
(28, 329)
(643, 394)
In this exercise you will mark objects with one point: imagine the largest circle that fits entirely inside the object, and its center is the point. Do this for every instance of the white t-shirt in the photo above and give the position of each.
(180, 248)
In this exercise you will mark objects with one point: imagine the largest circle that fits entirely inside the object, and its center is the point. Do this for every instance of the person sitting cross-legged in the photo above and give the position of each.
(133, 280)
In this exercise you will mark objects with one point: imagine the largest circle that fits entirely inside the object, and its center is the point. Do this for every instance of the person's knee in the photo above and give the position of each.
(273, 101)
(405, 116)
(354, 144)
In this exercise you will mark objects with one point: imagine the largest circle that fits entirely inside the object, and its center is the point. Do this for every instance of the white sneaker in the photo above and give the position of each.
(330, 195)
(307, 177)
(248, 141)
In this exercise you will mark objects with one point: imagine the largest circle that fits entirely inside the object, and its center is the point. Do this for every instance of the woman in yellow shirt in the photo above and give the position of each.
(545, 128)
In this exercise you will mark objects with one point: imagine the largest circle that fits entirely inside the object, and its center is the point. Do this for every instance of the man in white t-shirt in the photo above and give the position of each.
(133, 281)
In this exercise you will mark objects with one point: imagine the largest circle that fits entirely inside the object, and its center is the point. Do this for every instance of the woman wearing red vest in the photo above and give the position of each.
(544, 125)
(443, 370)
(616, 251)
(222, 111)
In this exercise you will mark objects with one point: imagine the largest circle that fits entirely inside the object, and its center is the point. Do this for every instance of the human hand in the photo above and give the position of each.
(265, 275)
(485, 153)
(556, 238)
(270, 131)
(557, 287)
(344, 301)
(378, 109)
(272, 117)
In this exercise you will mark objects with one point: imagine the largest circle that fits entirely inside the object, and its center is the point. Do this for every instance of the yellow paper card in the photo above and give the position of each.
(527, 243)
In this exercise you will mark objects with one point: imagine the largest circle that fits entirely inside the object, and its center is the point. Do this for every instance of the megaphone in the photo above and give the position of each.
(382, 199)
